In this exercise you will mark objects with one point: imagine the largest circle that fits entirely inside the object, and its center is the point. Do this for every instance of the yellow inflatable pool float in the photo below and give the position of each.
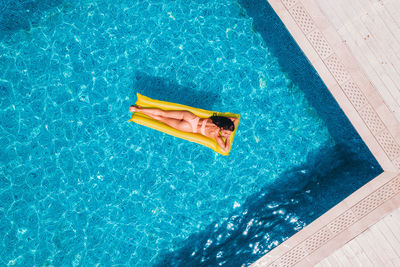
(145, 120)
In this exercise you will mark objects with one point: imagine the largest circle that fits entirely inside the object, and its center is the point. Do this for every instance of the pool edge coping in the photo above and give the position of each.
(371, 118)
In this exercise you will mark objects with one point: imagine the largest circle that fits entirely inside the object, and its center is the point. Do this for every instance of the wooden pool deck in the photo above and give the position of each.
(354, 46)
(379, 245)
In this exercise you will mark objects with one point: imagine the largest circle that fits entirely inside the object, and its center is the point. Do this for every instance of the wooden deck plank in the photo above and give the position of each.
(396, 263)
(371, 30)
(363, 52)
(392, 37)
(390, 23)
(392, 6)
(355, 34)
(380, 241)
(325, 263)
(384, 42)
(396, 216)
(393, 224)
(340, 259)
(390, 238)
(332, 261)
(379, 245)
(378, 56)
(351, 256)
(336, 21)
(363, 241)
(360, 257)
(358, 8)
(335, 14)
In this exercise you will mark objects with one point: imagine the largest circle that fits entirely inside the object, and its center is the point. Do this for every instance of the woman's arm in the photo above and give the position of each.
(235, 121)
(224, 145)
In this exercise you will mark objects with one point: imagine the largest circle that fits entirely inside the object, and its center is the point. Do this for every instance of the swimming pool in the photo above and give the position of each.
(80, 185)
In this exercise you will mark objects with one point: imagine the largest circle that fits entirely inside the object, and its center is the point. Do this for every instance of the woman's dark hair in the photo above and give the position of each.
(222, 122)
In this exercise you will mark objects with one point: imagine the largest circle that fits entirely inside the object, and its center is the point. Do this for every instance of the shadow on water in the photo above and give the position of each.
(273, 215)
(299, 70)
(167, 90)
(22, 14)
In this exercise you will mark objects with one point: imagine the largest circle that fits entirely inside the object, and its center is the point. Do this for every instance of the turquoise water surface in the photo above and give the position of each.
(79, 185)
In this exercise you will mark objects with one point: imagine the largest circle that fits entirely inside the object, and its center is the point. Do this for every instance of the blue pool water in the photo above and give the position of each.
(79, 185)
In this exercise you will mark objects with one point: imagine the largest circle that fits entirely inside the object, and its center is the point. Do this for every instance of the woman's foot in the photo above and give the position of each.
(134, 108)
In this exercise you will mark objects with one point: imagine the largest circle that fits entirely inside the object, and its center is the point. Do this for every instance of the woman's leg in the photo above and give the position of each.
(181, 125)
(173, 114)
